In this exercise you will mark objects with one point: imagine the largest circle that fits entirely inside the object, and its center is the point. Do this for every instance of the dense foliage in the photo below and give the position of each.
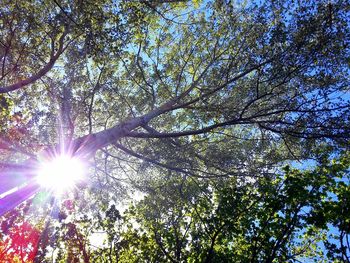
(193, 117)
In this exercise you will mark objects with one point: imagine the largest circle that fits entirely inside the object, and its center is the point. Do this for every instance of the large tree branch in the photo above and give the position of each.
(253, 119)
(90, 143)
(183, 133)
(262, 124)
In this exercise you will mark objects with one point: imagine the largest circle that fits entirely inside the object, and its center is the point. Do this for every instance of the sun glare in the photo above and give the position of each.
(60, 174)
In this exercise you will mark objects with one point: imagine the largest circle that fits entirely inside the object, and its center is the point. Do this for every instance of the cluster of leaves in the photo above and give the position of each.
(296, 215)
(5, 111)
(281, 218)
(19, 237)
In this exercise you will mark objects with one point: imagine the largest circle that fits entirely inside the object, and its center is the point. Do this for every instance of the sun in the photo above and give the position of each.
(60, 174)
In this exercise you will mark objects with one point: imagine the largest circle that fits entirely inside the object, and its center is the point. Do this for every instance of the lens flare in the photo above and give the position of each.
(60, 174)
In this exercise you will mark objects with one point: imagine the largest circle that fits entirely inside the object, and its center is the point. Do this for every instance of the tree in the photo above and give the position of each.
(169, 89)
(294, 216)
(276, 219)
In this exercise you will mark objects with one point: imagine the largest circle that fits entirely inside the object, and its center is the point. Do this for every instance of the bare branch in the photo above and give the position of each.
(42, 72)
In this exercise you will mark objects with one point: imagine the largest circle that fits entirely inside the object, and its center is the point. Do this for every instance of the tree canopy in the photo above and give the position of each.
(191, 118)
